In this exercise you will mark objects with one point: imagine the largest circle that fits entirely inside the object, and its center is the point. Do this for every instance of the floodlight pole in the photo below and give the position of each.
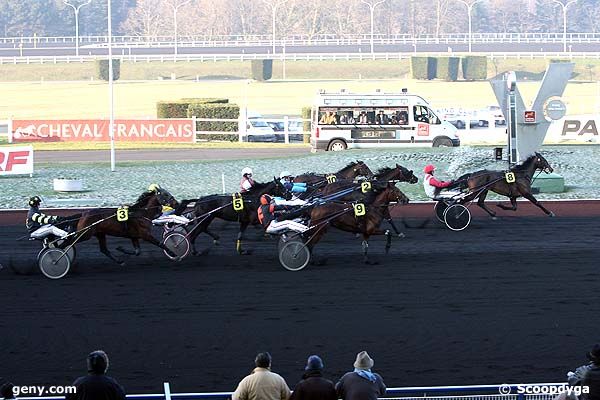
(470, 13)
(175, 10)
(273, 11)
(564, 7)
(372, 6)
(76, 10)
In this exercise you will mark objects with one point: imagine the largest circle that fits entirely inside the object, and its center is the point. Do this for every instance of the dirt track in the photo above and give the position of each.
(513, 300)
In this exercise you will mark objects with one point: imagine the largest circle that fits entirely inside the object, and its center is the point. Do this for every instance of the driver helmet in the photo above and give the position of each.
(97, 362)
(285, 175)
(154, 187)
(265, 199)
(247, 171)
(35, 201)
(429, 169)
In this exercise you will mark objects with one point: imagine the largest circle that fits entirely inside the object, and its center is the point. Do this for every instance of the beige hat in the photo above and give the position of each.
(363, 361)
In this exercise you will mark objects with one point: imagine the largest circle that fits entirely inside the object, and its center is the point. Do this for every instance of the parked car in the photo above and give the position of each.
(295, 130)
(257, 130)
(491, 113)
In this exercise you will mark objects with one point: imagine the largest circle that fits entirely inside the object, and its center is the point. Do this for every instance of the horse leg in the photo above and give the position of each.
(389, 219)
(136, 247)
(238, 243)
(532, 199)
(481, 203)
(313, 240)
(513, 202)
(104, 249)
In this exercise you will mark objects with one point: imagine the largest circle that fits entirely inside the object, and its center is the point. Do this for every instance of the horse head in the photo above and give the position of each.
(362, 169)
(542, 164)
(407, 175)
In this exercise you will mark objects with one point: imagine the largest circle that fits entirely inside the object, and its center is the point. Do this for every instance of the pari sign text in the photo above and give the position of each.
(16, 160)
(129, 130)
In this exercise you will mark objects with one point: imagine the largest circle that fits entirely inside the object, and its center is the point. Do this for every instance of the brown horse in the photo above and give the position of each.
(383, 175)
(481, 182)
(102, 223)
(342, 216)
(350, 171)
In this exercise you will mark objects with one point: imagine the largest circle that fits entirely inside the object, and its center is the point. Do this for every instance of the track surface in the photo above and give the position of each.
(504, 301)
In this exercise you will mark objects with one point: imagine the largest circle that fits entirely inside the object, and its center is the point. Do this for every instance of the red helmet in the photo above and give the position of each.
(265, 199)
(428, 169)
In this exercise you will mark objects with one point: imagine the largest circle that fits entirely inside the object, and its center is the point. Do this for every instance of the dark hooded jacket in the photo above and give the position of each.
(314, 387)
(97, 387)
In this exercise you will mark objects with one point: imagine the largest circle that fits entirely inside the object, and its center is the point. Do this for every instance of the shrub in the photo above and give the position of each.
(423, 67)
(306, 114)
(262, 70)
(474, 68)
(447, 68)
(179, 108)
(102, 69)
(218, 110)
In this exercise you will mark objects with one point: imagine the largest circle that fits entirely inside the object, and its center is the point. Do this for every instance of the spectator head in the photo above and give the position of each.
(97, 362)
(594, 354)
(314, 363)
(6, 389)
(363, 361)
(263, 360)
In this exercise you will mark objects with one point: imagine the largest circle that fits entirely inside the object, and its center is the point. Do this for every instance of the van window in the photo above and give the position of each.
(258, 123)
(421, 114)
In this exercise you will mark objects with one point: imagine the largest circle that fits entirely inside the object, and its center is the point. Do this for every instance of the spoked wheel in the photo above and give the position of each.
(54, 263)
(440, 207)
(457, 217)
(287, 237)
(178, 244)
(71, 252)
(174, 229)
(294, 255)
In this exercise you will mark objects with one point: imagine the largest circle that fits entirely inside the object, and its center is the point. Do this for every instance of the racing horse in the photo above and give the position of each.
(481, 182)
(350, 171)
(100, 223)
(385, 174)
(214, 206)
(341, 216)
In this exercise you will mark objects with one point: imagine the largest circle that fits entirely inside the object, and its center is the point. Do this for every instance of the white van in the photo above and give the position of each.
(348, 120)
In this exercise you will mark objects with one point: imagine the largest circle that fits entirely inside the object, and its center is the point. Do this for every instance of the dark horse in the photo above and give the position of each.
(480, 182)
(214, 206)
(341, 216)
(101, 223)
(383, 175)
(350, 171)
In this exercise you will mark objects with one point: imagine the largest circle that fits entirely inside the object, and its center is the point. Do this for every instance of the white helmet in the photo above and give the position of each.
(247, 171)
(285, 174)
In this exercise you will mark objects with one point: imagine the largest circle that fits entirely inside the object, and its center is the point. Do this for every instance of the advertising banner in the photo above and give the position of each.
(16, 160)
(125, 130)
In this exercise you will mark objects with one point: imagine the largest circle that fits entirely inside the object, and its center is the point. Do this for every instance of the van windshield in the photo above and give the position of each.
(259, 123)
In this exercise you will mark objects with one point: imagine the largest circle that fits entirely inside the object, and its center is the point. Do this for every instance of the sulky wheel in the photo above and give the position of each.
(457, 217)
(440, 207)
(294, 255)
(174, 229)
(287, 237)
(54, 263)
(178, 244)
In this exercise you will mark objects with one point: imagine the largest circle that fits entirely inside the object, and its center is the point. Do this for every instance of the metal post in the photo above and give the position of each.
(564, 7)
(111, 121)
(469, 14)
(167, 389)
(273, 9)
(372, 6)
(286, 130)
(76, 10)
(175, 10)
(512, 126)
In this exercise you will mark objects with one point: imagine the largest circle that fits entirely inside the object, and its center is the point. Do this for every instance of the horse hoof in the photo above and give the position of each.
(494, 218)
(551, 214)
(121, 263)
(216, 242)
(401, 235)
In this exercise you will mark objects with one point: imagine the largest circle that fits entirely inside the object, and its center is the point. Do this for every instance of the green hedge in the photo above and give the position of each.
(179, 108)
(447, 68)
(225, 111)
(474, 68)
(262, 70)
(102, 69)
(423, 67)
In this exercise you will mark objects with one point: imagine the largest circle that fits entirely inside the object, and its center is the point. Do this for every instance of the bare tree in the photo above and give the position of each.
(146, 19)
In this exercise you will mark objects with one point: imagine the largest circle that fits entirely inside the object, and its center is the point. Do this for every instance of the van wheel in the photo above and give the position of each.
(337, 145)
(442, 142)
